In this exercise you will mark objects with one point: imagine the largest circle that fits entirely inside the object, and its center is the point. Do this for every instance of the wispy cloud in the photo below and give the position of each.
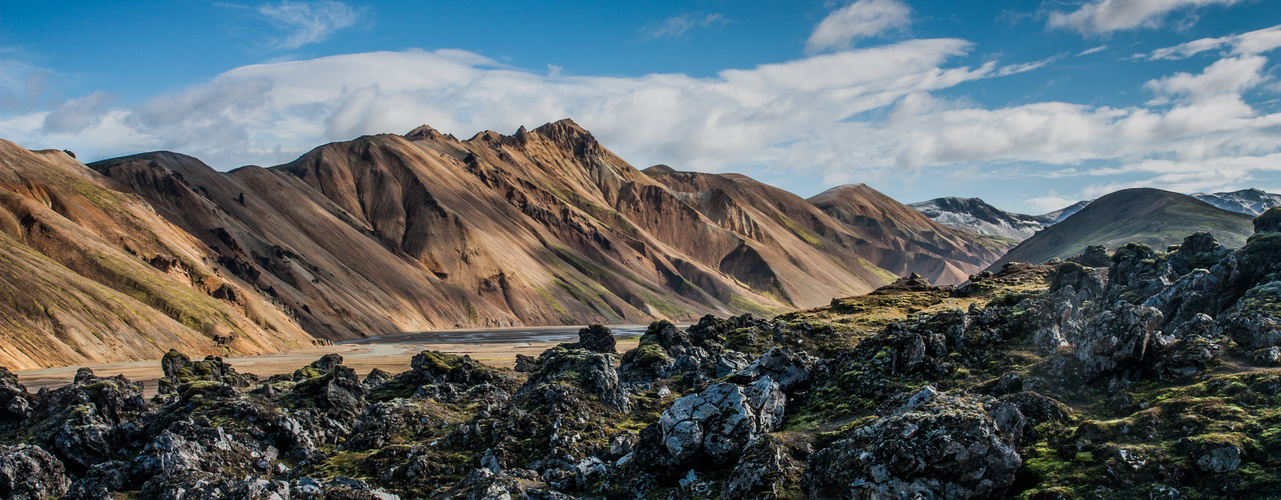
(676, 27)
(1253, 42)
(1094, 50)
(21, 85)
(1100, 17)
(861, 19)
(308, 22)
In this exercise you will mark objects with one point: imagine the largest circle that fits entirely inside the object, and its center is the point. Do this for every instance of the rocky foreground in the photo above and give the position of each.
(1133, 373)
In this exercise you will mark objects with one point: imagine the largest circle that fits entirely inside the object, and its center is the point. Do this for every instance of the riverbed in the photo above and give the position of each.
(495, 347)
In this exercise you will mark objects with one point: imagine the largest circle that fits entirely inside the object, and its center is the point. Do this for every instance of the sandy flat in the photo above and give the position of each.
(497, 348)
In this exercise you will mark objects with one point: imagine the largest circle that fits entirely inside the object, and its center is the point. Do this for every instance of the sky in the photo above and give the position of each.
(1030, 105)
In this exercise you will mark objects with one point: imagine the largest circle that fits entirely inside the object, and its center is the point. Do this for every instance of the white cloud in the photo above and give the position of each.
(1253, 42)
(21, 85)
(1094, 50)
(308, 22)
(860, 19)
(1105, 16)
(271, 113)
(1229, 76)
(76, 115)
(1050, 202)
(865, 115)
(675, 27)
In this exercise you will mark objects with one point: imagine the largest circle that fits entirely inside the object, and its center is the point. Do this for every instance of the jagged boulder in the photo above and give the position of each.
(484, 484)
(1214, 454)
(90, 420)
(15, 405)
(769, 469)
(1085, 283)
(937, 446)
(102, 479)
(179, 369)
(31, 473)
(713, 426)
(1269, 221)
(789, 369)
(1135, 274)
(592, 371)
(375, 379)
(595, 338)
(1198, 251)
(1254, 322)
(1116, 339)
(665, 351)
(1189, 349)
(1093, 256)
(432, 367)
(525, 363)
(1047, 322)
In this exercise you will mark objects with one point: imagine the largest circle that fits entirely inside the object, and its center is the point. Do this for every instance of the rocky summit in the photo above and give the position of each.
(1120, 373)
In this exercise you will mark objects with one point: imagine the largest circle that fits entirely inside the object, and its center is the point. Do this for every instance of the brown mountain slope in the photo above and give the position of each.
(898, 238)
(386, 234)
(89, 274)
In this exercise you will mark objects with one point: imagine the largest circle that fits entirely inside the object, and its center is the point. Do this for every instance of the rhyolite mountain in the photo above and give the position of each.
(1149, 216)
(976, 216)
(388, 233)
(1153, 374)
(1246, 201)
(90, 273)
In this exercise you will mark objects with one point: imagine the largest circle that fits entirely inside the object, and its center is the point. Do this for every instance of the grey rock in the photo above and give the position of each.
(31, 473)
(789, 369)
(1115, 338)
(953, 446)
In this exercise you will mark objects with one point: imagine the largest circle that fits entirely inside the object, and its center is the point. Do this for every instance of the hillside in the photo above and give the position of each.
(1149, 216)
(89, 274)
(976, 216)
(387, 234)
(898, 238)
(1153, 377)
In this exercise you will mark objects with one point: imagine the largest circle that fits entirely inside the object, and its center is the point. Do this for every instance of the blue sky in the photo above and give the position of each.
(1030, 105)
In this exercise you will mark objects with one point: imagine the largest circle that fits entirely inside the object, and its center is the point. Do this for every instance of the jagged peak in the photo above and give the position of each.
(568, 135)
(659, 169)
(486, 136)
(426, 132)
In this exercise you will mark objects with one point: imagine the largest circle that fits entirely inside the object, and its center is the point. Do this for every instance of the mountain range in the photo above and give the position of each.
(976, 216)
(1153, 217)
(124, 258)
(1246, 201)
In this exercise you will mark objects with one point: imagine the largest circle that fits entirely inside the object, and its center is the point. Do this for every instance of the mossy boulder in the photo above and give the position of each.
(1269, 221)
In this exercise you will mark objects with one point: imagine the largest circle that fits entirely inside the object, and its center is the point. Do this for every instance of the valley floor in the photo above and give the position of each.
(495, 348)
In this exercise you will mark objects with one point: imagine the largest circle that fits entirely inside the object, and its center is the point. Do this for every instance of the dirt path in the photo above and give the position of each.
(497, 348)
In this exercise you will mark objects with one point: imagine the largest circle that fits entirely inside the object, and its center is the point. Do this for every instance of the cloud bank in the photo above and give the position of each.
(861, 19)
(1100, 17)
(864, 115)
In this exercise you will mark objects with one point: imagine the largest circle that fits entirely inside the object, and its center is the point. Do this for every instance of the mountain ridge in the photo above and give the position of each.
(1148, 216)
(977, 216)
(392, 233)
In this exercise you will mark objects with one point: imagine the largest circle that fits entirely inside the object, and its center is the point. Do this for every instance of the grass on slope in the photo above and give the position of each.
(1149, 216)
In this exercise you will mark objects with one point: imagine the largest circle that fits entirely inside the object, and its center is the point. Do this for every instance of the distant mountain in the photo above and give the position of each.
(1144, 215)
(907, 239)
(1246, 201)
(125, 258)
(976, 216)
